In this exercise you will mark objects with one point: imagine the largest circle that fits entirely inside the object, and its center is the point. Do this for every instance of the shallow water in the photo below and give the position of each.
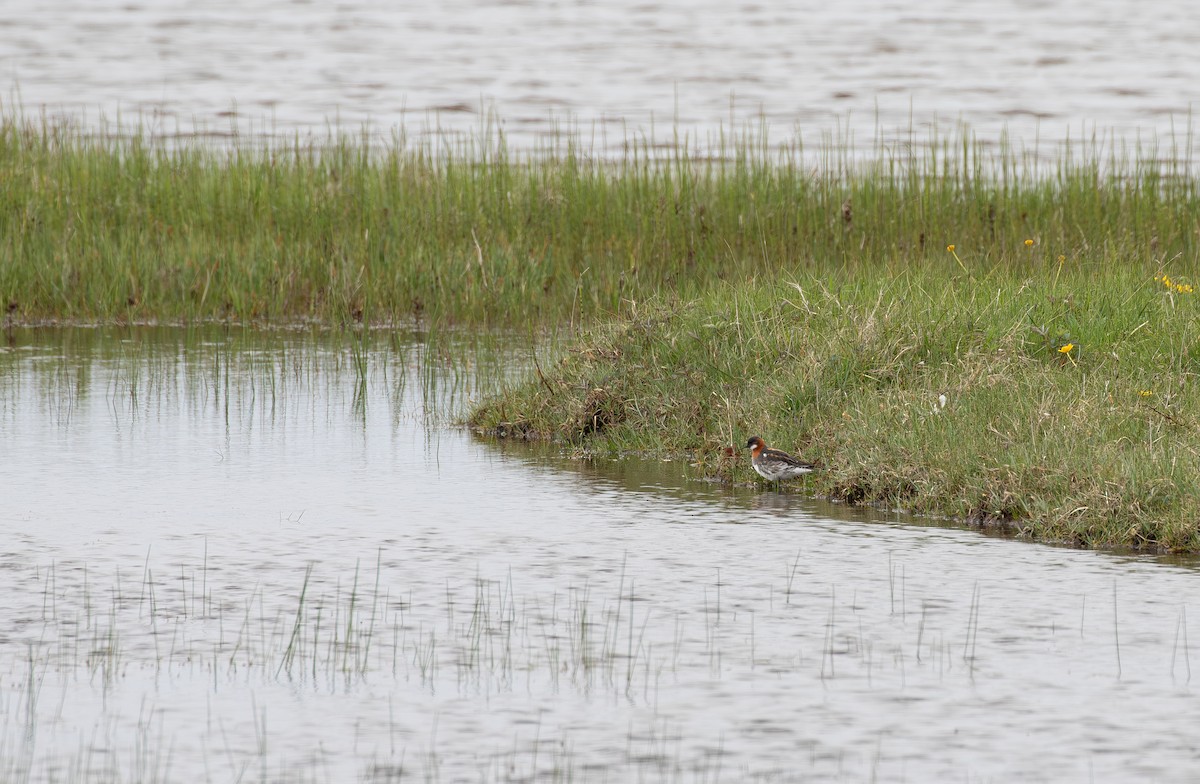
(270, 556)
(621, 70)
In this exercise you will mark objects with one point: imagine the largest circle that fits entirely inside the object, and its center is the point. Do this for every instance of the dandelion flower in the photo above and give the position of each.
(1145, 393)
(950, 248)
(1061, 258)
(1067, 349)
(1028, 243)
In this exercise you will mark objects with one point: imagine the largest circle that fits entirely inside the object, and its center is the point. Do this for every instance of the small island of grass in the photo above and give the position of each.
(1005, 337)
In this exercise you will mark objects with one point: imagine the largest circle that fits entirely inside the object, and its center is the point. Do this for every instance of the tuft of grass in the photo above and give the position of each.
(1058, 404)
(128, 229)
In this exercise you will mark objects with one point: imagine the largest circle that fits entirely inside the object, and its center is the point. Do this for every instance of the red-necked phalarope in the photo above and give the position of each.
(773, 464)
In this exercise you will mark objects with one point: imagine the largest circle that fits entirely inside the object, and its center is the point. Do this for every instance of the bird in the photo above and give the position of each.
(774, 464)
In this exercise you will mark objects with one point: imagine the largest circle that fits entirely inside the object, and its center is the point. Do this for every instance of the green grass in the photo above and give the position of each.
(1098, 445)
(805, 294)
(124, 228)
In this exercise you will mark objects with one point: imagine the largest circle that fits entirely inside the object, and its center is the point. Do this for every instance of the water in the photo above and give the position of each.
(623, 69)
(272, 557)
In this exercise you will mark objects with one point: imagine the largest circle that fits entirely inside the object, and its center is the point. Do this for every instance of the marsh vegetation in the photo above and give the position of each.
(269, 555)
(339, 231)
(953, 328)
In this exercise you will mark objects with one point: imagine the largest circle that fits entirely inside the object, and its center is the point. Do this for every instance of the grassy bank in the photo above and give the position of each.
(1069, 393)
(752, 288)
(126, 229)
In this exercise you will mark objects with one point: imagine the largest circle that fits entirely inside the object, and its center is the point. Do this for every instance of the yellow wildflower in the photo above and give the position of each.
(1145, 393)
(950, 248)
(1028, 243)
(1170, 285)
(1067, 349)
(1061, 258)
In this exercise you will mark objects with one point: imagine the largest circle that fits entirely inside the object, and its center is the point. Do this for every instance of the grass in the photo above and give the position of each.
(426, 375)
(273, 650)
(472, 638)
(124, 228)
(202, 665)
(1058, 404)
(736, 286)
